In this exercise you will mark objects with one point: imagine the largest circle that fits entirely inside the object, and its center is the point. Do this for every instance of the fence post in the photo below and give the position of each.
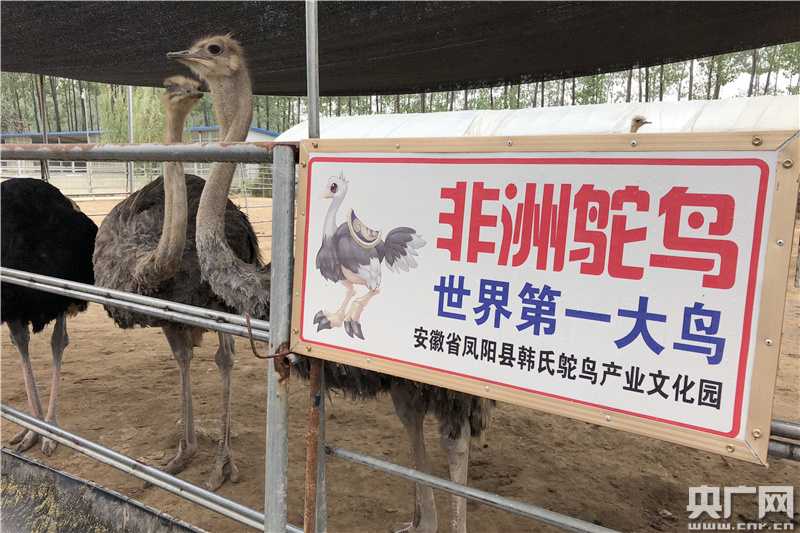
(319, 522)
(131, 184)
(275, 484)
(44, 165)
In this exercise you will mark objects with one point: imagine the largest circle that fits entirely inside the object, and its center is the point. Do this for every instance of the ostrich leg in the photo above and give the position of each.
(20, 337)
(58, 342)
(352, 322)
(180, 341)
(225, 465)
(326, 320)
(411, 412)
(457, 451)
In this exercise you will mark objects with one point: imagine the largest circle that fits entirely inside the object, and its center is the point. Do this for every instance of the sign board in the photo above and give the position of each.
(633, 281)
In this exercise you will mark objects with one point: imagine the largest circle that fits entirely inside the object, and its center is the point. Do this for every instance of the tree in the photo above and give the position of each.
(789, 61)
(114, 122)
(728, 67)
(628, 87)
(55, 104)
(149, 123)
(770, 64)
(11, 122)
(640, 84)
(753, 83)
(681, 74)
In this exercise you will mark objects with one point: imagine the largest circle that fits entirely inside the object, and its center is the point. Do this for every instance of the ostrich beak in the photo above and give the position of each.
(187, 55)
(326, 194)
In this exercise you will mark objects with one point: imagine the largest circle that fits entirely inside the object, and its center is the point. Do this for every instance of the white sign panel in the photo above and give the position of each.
(623, 282)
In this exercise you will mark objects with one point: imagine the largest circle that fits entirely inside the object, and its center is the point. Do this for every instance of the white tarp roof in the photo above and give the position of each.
(733, 114)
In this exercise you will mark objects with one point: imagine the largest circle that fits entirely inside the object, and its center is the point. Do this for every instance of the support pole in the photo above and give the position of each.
(86, 114)
(275, 483)
(130, 138)
(316, 519)
(243, 185)
(312, 446)
(44, 165)
(88, 137)
(312, 68)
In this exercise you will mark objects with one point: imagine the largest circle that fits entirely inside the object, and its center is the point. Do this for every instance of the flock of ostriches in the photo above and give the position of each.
(180, 238)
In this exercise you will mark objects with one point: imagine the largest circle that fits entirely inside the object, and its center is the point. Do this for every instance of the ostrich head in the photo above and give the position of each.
(336, 189)
(215, 57)
(219, 61)
(637, 122)
(182, 95)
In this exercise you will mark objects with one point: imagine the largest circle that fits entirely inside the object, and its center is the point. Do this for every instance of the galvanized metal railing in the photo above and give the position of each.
(187, 152)
(193, 493)
(185, 314)
(236, 325)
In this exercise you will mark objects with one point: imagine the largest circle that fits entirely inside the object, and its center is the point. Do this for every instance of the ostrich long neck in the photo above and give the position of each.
(162, 263)
(329, 230)
(243, 286)
(233, 100)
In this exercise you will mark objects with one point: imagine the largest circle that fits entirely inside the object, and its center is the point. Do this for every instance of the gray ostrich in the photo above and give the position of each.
(42, 232)
(637, 122)
(146, 245)
(220, 61)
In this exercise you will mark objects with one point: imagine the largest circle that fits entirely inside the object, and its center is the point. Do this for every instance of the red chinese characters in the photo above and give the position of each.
(671, 208)
(598, 208)
(546, 224)
(455, 220)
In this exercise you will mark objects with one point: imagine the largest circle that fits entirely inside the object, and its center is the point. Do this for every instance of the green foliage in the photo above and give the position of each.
(148, 115)
(16, 103)
(149, 121)
(10, 122)
(114, 114)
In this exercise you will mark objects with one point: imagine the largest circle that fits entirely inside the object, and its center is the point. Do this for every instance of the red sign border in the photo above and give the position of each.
(751, 284)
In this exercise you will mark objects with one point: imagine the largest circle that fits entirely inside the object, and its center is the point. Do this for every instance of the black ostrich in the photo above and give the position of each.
(45, 233)
(220, 62)
(129, 248)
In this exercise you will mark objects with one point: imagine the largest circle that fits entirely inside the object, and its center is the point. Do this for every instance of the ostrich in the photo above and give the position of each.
(45, 233)
(637, 122)
(146, 245)
(220, 61)
(352, 255)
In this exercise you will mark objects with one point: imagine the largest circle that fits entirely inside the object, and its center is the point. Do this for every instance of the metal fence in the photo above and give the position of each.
(260, 330)
(278, 332)
(108, 178)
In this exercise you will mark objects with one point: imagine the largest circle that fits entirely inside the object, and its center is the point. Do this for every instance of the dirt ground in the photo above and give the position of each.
(121, 388)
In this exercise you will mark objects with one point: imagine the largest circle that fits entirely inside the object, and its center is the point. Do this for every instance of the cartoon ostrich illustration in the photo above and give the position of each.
(352, 255)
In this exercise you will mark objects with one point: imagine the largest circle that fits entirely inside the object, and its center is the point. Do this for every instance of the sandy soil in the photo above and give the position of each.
(120, 388)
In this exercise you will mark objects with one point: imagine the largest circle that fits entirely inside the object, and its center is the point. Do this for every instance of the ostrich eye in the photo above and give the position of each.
(214, 50)
(334, 188)
(171, 89)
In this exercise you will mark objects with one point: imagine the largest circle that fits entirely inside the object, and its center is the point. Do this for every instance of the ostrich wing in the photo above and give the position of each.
(398, 249)
(364, 262)
(328, 257)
